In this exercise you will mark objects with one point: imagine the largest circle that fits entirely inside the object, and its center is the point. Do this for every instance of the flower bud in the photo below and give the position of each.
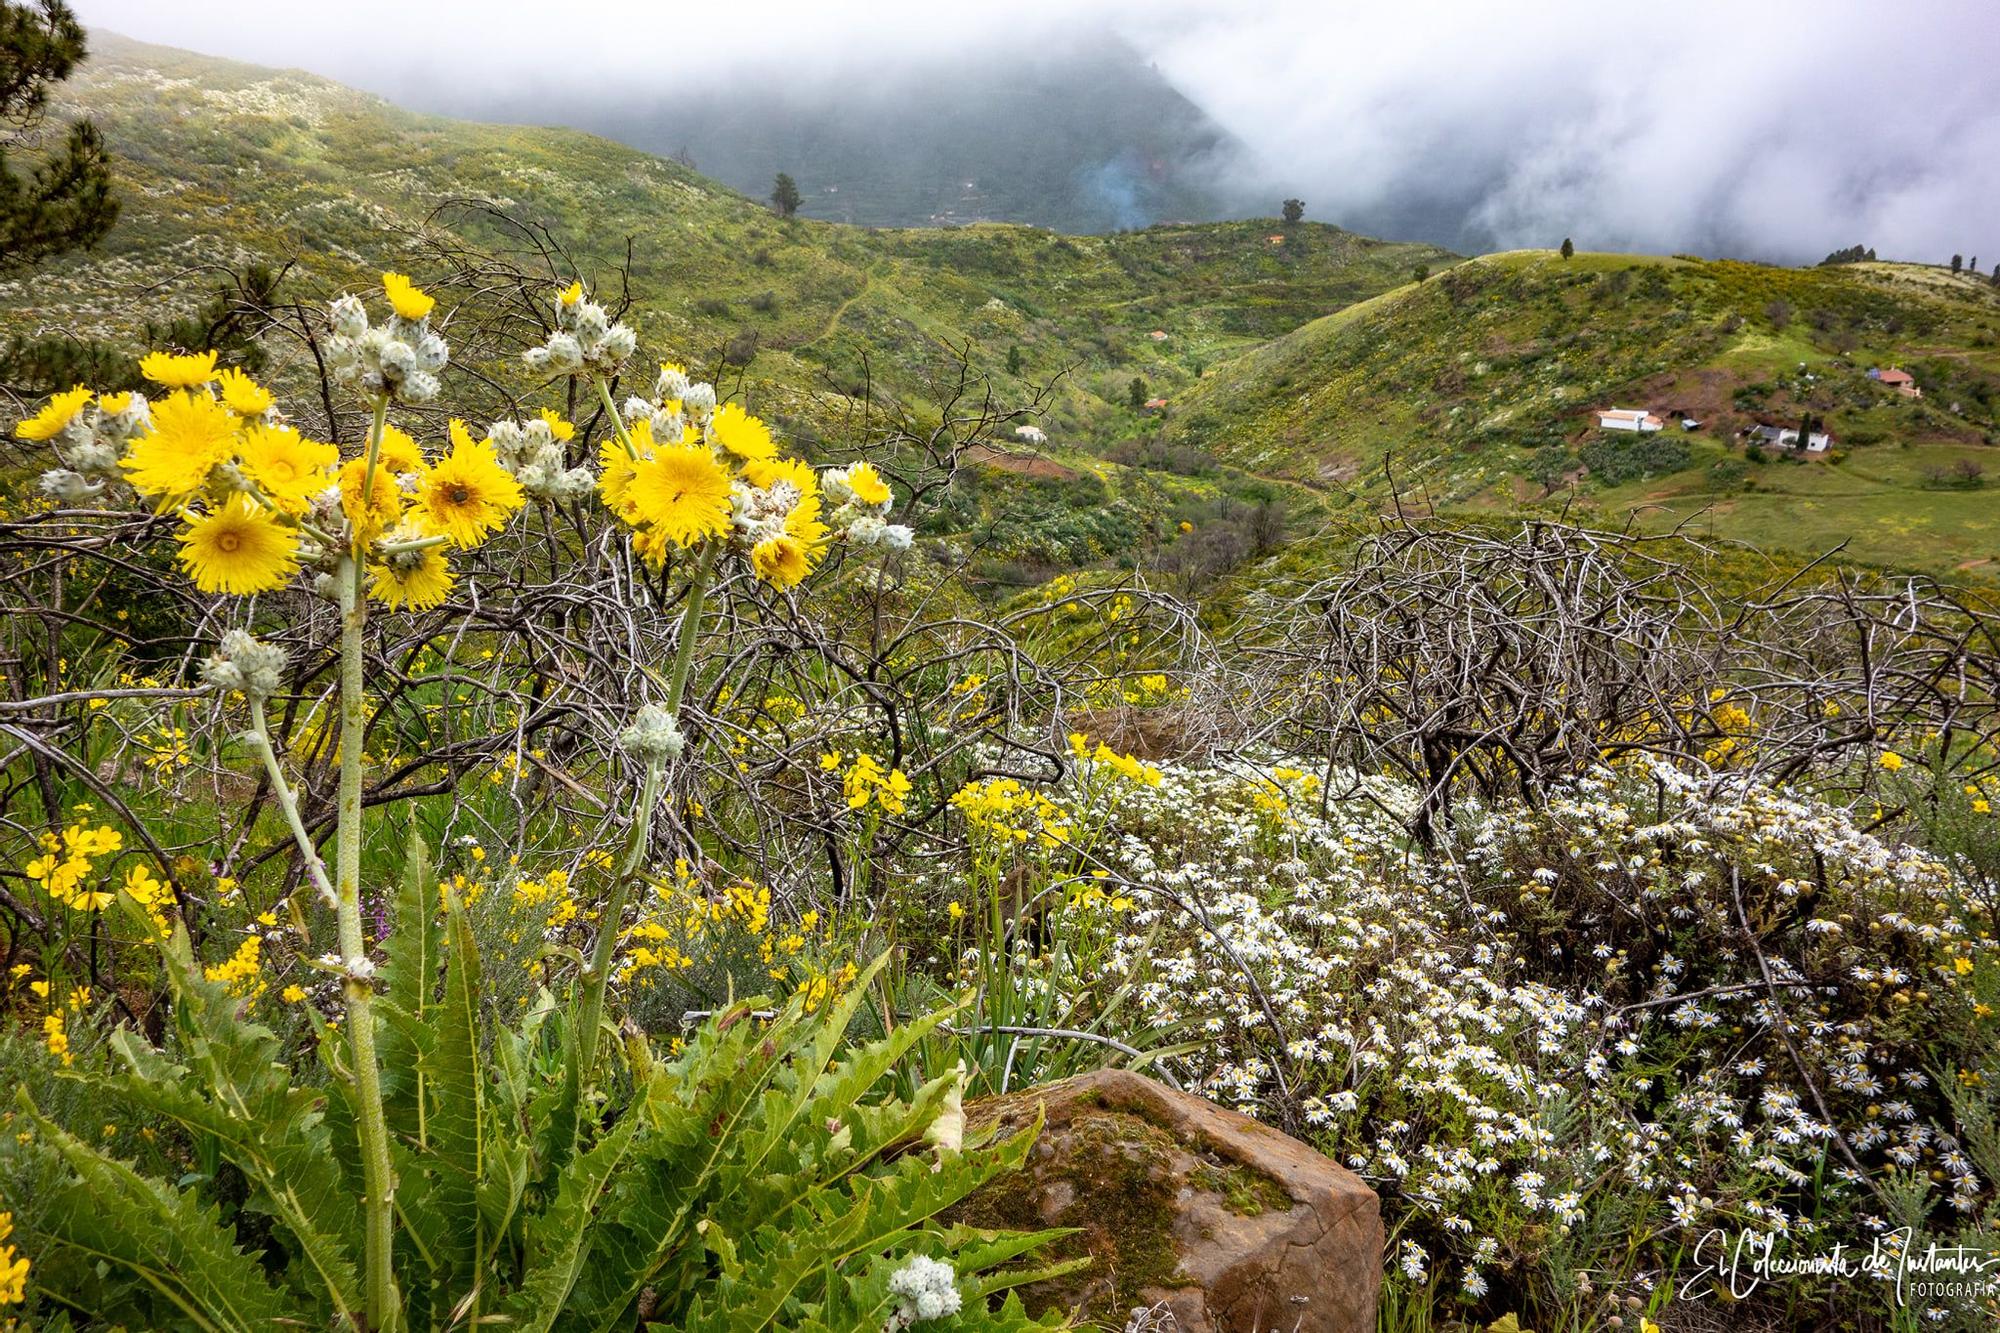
(654, 737)
(245, 663)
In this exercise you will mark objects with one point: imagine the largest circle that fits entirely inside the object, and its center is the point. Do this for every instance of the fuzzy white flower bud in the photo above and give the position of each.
(246, 663)
(654, 737)
(350, 317)
(924, 1288)
(69, 488)
(565, 353)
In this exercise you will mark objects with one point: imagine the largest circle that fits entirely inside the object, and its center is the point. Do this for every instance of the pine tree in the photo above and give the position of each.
(785, 197)
(1135, 394)
(1568, 248)
(1294, 209)
(1957, 263)
(63, 200)
(1014, 359)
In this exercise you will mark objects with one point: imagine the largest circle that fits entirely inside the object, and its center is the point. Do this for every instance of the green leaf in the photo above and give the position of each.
(160, 1235)
(410, 976)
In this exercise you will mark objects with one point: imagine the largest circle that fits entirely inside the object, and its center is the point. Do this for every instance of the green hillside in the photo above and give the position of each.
(1477, 386)
(225, 164)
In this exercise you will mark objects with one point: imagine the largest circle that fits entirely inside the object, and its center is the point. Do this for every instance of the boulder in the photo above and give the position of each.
(1185, 1207)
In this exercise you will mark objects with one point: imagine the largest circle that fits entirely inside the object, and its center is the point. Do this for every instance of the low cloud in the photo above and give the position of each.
(1774, 129)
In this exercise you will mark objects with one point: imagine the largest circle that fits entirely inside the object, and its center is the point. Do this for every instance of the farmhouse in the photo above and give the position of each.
(1628, 418)
(1031, 435)
(1155, 404)
(1900, 380)
(1786, 437)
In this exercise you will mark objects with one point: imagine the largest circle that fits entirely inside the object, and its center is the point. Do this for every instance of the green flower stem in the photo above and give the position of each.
(617, 421)
(259, 737)
(377, 1176)
(590, 1013)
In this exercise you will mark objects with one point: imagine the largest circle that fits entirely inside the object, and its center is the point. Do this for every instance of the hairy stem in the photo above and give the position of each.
(377, 1176)
(259, 737)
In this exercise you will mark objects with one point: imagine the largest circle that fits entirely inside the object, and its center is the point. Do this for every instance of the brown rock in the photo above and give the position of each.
(1229, 1224)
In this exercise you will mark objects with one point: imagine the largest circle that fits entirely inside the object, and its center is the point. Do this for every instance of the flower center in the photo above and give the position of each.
(458, 495)
(229, 543)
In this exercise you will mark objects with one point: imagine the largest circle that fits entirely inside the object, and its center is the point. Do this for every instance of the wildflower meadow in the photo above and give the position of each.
(501, 834)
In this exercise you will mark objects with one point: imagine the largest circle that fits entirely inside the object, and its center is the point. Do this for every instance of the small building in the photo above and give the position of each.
(1787, 437)
(1156, 404)
(1628, 418)
(1902, 381)
(1031, 435)
(1158, 335)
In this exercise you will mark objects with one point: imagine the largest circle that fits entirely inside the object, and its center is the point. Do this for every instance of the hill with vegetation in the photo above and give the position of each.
(1477, 389)
(225, 164)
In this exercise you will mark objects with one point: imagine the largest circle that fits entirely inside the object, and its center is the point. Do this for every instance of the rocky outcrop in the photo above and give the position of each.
(1228, 1224)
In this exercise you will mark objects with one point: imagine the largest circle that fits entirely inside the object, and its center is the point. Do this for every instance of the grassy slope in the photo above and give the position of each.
(223, 162)
(1477, 385)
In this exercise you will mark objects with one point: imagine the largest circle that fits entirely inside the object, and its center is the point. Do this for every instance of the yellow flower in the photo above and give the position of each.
(370, 515)
(802, 525)
(243, 395)
(1961, 965)
(13, 1266)
(765, 473)
(614, 480)
(287, 468)
(55, 414)
(293, 993)
(239, 549)
(190, 371)
(781, 561)
(954, 910)
(571, 294)
(867, 484)
(1982, 806)
(468, 496)
(561, 429)
(418, 580)
(113, 404)
(683, 493)
(398, 453)
(741, 434)
(405, 297)
(190, 434)
(1891, 760)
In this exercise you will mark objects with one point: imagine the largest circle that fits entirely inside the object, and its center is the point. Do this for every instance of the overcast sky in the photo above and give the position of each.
(1765, 128)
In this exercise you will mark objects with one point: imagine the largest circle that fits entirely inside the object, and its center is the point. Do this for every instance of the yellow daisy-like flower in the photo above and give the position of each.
(287, 468)
(741, 434)
(372, 514)
(803, 523)
(418, 581)
(571, 294)
(561, 429)
(397, 452)
(238, 549)
(781, 561)
(243, 395)
(616, 471)
(57, 413)
(468, 495)
(191, 433)
(764, 473)
(867, 484)
(113, 404)
(405, 297)
(188, 371)
(1891, 760)
(683, 493)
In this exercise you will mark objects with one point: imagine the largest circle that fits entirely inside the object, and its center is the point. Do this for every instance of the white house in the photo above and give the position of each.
(1628, 418)
(1031, 435)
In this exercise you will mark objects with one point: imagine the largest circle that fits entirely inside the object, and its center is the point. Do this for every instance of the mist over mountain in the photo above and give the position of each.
(1084, 136)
